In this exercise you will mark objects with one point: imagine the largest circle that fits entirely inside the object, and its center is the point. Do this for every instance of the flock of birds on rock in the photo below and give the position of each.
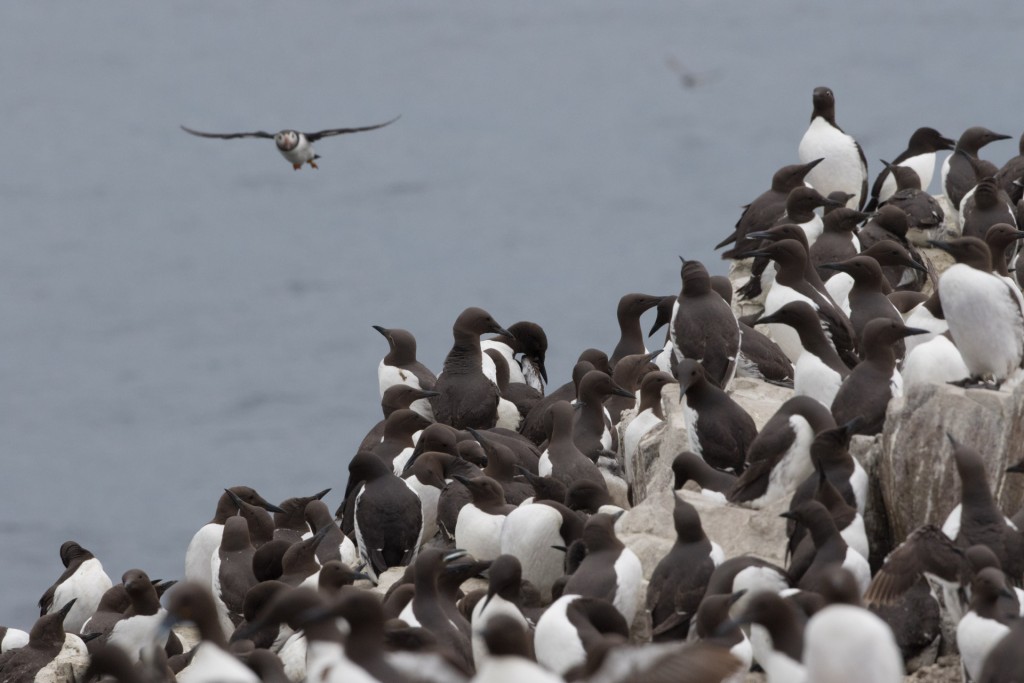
(476, 539)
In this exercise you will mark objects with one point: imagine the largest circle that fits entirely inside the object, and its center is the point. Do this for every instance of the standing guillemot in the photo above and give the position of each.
(571, 628)
(717, 428)
(528, 340)
(501, 467)
(800, 211)
(782, 658)
(838, 240)
(502, 601)
(336, 545)
(563, 460)
(768, 207)
(649, 415)
(712, 624)
(610, 571)
(532, 532)
(850, 524)
(986, 206)
(779, 458)
(703, 326)
(140, 627)
(205, 541)
(678, 582)
(231, 568)
(45, 641)
(478, 527)
(293, 145)
(396, 445)
(845, 168)
(1009, 176)
(84, 581)
(759, 357)
(426, 609)
(869, 387)
(628, 373)
(978, 520)
(888, 223)
(830, 453)
(509, 656)
(867, 297)
(958, 173)
(923, 211)
(592, 425)
(395, 398)
(387, 516)
(631, 336)
(534, 426)
(714, 484)
(983, 626)
(509, 415)
(919, 156)
(830, 550)
(292, 517)
(984, 315)
(845, 643)
(467, 398)
(1000, 238)
(400, 366)
(791, 284)
(818, 372)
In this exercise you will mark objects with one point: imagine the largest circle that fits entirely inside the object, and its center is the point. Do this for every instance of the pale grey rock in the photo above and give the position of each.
(916, 474)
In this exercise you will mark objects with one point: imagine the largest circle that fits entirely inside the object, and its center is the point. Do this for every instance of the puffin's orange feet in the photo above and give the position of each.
(312, 163)
(296, 167)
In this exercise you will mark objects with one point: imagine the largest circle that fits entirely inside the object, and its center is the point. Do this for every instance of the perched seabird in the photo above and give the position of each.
(830, 452)
(958, 173)
(888, 223)
(818, 371)
(83, 582)
(919, 157)
(830, 550)
(984, 314)
(509, 656)
(900, 593)
(466, 397)
(400, 366)
(426, 610)
(978, 520)
(45, 641)
(206, 541)
(845, 168)
(387, 515)
(592, 425)
(760, 357)
(779, 458)
(395, 398)
(791, 284)
(336, 545)
(867, 297)
(478, 528)
(571, 628)
(717, 428)
(627, 374)
(397, 443)
(232, 572)
(714, 484)
(1010, 175)
(509, 415)
(563, 460)
(502, 601)
(631, 335)
(678, 582)
(845, 643)
(211, 662)
(983, 626)
(534, 425)
(866, 392)
(768, 207)
(649, 414)
(703, 326)
(985, 207)
(610, 571)
(529, 341)
(782, 659)
(140, 627)
(838, 241)
(501, 467)
(922, 210)
(532, 532)
(294, 146)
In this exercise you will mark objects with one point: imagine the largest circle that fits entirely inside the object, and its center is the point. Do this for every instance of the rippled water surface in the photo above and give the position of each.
(178, 315)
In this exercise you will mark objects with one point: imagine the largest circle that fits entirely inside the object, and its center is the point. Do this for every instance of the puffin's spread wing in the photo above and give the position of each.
(313, 137)
(229, 136)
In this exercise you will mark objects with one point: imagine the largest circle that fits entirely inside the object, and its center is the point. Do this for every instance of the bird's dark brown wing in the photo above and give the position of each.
(229, 136)
(313, 137)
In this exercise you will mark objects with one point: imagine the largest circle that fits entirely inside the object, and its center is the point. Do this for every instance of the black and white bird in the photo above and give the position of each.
(845, 167)
(293, 145)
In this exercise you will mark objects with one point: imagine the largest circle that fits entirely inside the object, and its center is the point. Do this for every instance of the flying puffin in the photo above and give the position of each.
(293, 145)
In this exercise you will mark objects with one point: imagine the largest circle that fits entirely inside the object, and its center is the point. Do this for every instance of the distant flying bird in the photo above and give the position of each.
(292, 144)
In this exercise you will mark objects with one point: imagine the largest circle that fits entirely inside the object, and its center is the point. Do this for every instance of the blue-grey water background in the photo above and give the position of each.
(178, 315)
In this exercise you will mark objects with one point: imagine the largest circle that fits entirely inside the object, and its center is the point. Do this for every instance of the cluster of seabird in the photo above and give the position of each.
(476, 538)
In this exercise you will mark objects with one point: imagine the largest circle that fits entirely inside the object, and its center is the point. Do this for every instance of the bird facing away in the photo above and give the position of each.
(293, 145)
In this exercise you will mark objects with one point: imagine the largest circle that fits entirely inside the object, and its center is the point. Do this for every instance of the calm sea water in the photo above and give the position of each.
(179, 315)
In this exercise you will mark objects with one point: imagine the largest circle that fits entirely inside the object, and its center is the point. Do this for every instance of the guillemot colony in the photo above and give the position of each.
(597, 521)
